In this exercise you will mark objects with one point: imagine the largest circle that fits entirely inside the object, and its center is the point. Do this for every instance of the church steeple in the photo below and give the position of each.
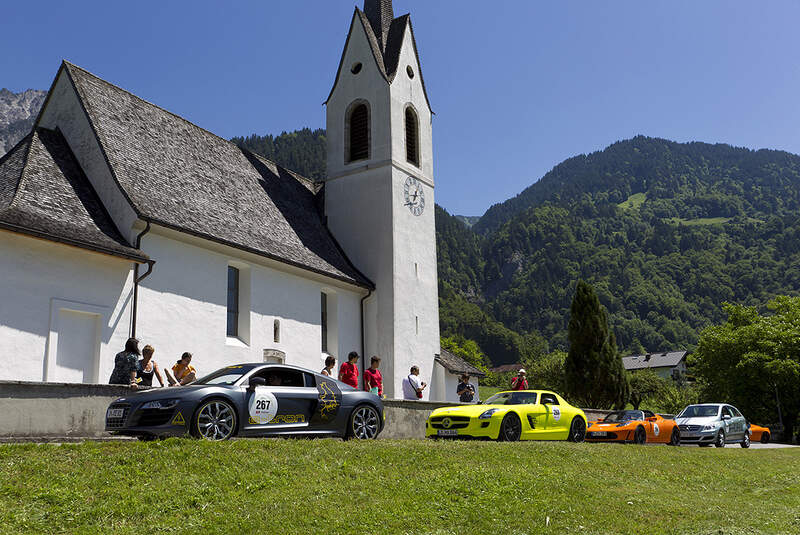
(380, 15)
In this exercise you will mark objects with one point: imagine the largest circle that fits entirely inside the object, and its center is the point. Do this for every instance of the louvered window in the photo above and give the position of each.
(359, 133)
(412, 137)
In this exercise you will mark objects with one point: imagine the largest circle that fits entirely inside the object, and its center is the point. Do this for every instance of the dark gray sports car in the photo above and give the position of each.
(250, 400)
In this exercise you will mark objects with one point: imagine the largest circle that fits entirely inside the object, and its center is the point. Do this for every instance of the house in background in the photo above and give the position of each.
(447, 373)
(670, 365)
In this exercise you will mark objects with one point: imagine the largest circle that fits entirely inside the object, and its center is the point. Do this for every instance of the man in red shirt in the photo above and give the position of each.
(519, 382)
(373, 380)
(348, 372)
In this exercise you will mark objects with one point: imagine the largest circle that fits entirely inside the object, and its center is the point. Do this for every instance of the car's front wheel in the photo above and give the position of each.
(510, 428)
(640, 436)
(577, 430)
(214, 420)
(765, 438)
(745, 443)
(719, 442)
(675, 439)
(364, 423)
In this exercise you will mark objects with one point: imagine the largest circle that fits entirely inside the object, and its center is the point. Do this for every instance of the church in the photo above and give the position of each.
(119, 218)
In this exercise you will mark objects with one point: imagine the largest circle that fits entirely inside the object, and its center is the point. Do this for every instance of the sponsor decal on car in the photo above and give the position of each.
(263, 406)
(178, 420)
(556, 414)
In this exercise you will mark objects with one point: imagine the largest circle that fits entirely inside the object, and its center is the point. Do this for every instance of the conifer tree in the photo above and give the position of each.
(594, 374)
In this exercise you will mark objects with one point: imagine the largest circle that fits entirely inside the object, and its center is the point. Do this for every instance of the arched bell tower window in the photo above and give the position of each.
(412, 136)
(358, 134)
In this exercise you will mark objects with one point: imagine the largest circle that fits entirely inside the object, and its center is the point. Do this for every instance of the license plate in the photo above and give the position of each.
(115, 413)
(448, 433)
(599, 434)
(690, 436)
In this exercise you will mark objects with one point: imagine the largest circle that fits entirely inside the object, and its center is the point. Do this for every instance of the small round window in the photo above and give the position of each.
(410, 72)
(356, 68)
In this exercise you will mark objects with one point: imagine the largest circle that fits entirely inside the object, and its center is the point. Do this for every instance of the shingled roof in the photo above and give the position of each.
(457, 365)
(178, 175)
(45, 194)
(654, 360)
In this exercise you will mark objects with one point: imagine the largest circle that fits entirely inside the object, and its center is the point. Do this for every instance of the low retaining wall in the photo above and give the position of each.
(47, 410)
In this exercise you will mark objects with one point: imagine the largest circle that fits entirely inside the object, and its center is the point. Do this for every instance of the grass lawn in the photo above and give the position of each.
(330, 486)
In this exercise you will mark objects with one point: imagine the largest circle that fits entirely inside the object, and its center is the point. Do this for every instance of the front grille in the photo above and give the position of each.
(689, 427)
(608, 435)
(457, 422)
(118, 423)
(154, 417)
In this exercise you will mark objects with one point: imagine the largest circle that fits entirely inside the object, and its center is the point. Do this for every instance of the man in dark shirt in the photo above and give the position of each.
(465, 390)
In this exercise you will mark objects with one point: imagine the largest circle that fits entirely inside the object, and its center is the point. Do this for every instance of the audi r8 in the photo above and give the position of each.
(511, 416)
(250, 400)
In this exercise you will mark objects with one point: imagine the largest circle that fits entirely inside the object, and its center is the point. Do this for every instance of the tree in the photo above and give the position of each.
(753, 361)
(645, 384)
(467, 350)
(594, 372)
(547, 373)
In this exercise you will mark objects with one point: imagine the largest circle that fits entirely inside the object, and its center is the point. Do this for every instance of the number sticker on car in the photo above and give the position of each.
(263, 406)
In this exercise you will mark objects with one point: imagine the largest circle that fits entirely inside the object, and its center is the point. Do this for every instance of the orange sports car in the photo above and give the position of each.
(759, 434)
(638, 427)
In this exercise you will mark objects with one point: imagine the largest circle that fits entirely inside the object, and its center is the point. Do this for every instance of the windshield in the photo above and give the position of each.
(624, 416)
(699, 411)
(225, 376)
(512, 398)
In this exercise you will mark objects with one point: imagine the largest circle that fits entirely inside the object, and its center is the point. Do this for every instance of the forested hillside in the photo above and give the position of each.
(666, 232)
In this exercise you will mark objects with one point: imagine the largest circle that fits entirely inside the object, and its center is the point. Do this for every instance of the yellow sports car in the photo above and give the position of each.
(511, 416)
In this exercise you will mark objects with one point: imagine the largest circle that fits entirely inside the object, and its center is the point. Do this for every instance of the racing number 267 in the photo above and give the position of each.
(262, 404)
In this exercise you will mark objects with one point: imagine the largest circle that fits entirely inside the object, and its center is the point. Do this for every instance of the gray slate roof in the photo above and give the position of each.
(654, 360)
(455, 364)
(181, 176)
(44, 193)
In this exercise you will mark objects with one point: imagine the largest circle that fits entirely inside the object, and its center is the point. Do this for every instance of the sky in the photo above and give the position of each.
(517, 85)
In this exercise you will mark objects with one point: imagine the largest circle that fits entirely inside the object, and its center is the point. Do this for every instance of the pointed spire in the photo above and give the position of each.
(380, 15)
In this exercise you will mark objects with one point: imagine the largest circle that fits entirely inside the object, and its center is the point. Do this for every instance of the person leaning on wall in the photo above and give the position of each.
(147, 368)
(125, 365)
(183, 371)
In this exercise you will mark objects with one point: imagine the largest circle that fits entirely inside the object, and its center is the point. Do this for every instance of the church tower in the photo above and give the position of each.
(379, 198)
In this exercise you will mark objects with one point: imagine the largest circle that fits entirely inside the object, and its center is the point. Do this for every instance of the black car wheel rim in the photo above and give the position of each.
(640, 437)
(676, 437)
(578, 431)
(512, 428)
(215, 421)
(765, 438)
(365, 423)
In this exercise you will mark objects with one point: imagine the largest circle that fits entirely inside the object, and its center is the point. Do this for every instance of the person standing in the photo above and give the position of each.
(330, 363)
(348, 372)
(147, 367)
(465, 390)
(373, 380)
(125, 365)
(183, 371)
(413, 385)
(519, 382)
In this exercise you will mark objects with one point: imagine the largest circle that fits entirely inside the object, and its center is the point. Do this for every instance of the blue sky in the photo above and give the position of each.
(517, 85)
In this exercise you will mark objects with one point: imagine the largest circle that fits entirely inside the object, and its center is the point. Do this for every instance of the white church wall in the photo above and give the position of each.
(63, 110)
(183, 306)
(50, 297)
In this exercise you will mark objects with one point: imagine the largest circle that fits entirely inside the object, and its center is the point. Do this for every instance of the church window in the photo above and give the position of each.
(324, 320)
(412, 136)
(233, 301)
(356, 68)
(358, 127)
(276, 331)
(410, 72)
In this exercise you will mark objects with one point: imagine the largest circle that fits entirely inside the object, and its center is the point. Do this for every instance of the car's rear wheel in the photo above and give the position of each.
(577, 430)
(364, 423)
(765, 438)
(510, 428)
(675, 439)
(719, 442)
(214, 420)
(639, 436)
(745, 443)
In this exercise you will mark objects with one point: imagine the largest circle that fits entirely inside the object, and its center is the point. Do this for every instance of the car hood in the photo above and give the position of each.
(707, 420)
(161, 393)
(473, 411)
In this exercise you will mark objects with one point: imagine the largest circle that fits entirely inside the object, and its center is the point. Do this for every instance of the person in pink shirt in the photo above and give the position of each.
(348, 372)
(373, 380)
(519, 382)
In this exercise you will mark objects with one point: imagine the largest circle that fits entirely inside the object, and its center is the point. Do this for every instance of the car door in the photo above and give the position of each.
(655, 428)
(532, 413)
(738, 423)
(728, 424)
(555, 422)
(284, 405)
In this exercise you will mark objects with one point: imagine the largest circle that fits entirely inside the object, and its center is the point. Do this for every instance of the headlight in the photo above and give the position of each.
(623, 424)
(161, 404)
(709, 427)
(488, 414)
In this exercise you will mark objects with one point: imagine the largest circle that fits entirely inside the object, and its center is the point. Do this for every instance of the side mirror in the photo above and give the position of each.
(256, 382)
(726, 416)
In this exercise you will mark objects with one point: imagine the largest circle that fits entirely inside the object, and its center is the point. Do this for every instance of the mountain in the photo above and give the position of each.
(18, 112)
(468, 220)
(303, 151)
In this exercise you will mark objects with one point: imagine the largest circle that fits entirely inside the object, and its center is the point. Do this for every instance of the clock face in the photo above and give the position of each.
(414, 196)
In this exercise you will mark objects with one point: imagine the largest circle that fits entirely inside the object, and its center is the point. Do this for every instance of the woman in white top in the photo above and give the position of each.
(330, 364)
